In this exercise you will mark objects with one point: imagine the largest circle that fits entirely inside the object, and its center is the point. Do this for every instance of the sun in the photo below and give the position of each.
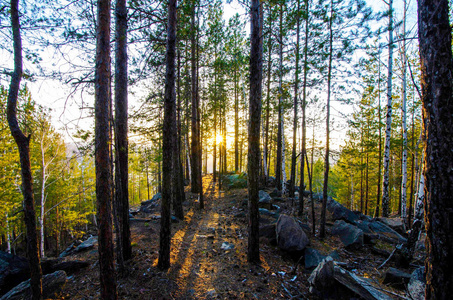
(218, 139)
(229, 140)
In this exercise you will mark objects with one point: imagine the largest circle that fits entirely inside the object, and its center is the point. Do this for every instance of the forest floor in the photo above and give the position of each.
(200, 269)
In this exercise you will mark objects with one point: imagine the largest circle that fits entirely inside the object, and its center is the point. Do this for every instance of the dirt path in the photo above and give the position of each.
(200, 268)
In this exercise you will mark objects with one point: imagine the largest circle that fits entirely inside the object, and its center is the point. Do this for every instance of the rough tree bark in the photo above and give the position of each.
(253, 254)
(23, 143)
(169, 138)
(124, 248)
(437, 97)
(102, 152)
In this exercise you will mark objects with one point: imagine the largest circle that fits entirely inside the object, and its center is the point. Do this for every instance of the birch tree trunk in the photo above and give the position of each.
(284, 179)
(385, 182)
(278, 166)
(403, 111)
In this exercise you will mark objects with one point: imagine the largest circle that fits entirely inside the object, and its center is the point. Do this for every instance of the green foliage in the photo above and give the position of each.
(63, 182)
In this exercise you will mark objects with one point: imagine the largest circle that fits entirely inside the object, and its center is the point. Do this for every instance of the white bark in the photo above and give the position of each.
(8, 236)
(283, 159)
(352, 191)
(419, 206)
(404, 118)
(385, 182)
(188, 157)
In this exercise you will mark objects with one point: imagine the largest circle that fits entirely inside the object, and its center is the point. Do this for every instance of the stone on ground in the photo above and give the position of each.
(290, 236)
(51, 287)
(350, 235)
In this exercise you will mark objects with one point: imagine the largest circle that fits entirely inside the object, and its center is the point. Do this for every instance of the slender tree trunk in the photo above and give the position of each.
(310, 187)
(253, 255)
(195, 144)
(366, 183)
(407, 250)
(169, 139)
(236, 123)
(214, 156)
(268, 97)
(304, 104)
(23, 143)
(361, 174)
(284, 179)
(296, 95)
(180, 172)
(352, 190)
(8, 235)
(378, 194)
(385, 182)
(437, 90)
(414, 151)
(278, 165)
(322, 231)
(121, 140)
(102, 153)
(403, 112)
(43, 197)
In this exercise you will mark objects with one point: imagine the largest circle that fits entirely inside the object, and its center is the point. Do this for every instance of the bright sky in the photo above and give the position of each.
(66, 106)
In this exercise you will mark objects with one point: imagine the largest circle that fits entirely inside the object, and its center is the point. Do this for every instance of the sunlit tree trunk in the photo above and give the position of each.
(385, 182)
